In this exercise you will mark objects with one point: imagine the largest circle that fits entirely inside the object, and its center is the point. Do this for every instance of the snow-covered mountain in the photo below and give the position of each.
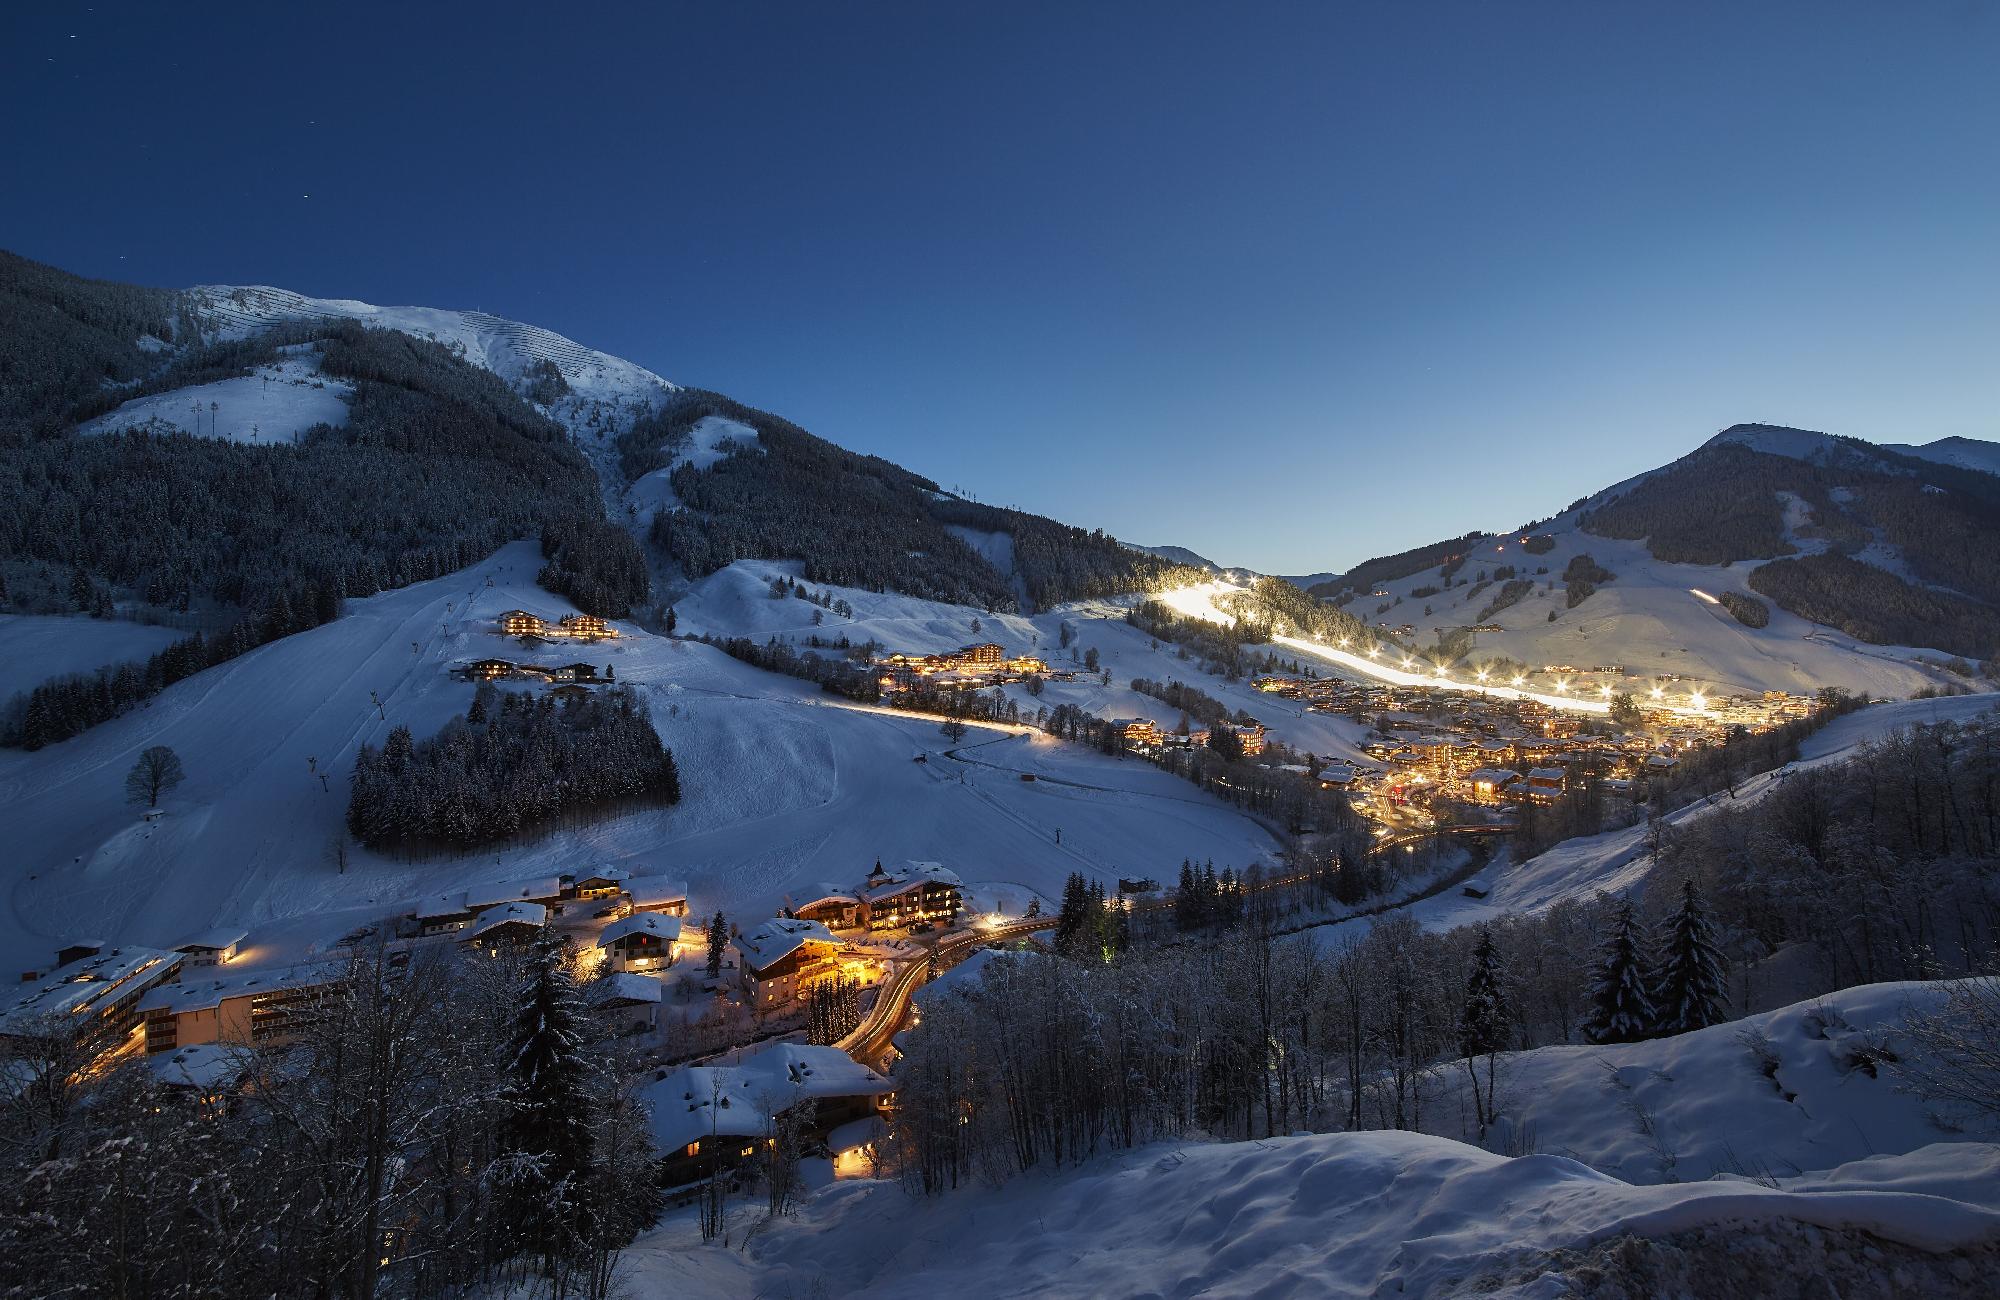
(508, 348)
(1768, 558)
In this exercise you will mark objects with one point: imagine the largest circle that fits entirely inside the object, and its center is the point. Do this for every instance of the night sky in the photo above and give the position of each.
(1287, 284)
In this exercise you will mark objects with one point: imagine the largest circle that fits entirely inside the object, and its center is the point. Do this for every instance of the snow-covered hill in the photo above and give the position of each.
(1657, 618)
(1346, 1214)
(274, 404)
(1966, 453)
(1757, 1162)
(785, 788)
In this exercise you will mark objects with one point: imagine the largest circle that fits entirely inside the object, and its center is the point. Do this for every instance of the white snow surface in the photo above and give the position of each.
(707, 444)
(1649, 621)
(503, 346)
(273, 404)
(36, 647)
(1340, 1215)
(784, 787)
(1966, 453)
(1699, 1105)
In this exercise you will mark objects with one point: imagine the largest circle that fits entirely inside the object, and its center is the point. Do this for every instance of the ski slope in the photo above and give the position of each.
(273, 404)
(784, 788)
(736, 600)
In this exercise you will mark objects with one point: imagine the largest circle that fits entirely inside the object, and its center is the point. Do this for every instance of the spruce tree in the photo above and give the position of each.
(1482, 1022)
(544, 1130)
(718, 939)
(1688, 989)
(1620, 1010)
(1073, 919)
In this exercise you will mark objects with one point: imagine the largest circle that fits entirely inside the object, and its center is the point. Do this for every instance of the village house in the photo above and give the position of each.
(1491, 784)
(1136, 733)
(657, 894)
(919, 891)
(1546, 784)
(707, 1117)
(215, 948)
(643, 941)
(627, 1000)
(267, 1008)
(96, 993)
(486, 670)
(779, 960)
(831, 908)
(519, 622)
(585, 627)
(509, 927)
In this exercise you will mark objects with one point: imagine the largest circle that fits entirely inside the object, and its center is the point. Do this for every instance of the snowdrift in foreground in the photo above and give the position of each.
(1808, 1086)
(1352, 1214)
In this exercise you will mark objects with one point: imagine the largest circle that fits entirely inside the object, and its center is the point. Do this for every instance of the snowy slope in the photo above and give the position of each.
(1648, 620)
(503, 346)
(1350, 1214)
(1696, 1105)
(1966, 453)
(736, 601)
(274, 404)
(36, 647)
(607, 393)
(785, 787)
(707, 443)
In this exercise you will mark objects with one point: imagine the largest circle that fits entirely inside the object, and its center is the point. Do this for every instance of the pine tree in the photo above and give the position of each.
(718, 939)
(1688, 989)
(545, 1128)
(1073, 918)
(1620, 1010)
(1482, 1023)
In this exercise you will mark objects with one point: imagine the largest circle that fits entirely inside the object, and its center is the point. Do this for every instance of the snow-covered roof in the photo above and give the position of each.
(611, 874)
(653, 890)
(667, 929)
(1556, 774)
(1337, 773)
(86, 983)
(1494, 775)
(440, 907)
(730, 1100)
(624, 986)
(512, 914)
(214, 940)
(201, 995)
(911, 875)
(202, 1066)
(506, 891)
(773, 941)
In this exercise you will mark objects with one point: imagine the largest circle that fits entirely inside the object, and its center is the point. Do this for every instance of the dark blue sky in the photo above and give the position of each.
(1288, 284)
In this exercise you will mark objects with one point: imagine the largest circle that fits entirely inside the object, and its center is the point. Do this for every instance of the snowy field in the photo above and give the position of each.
(737, 601)
(272, 404)
(785, 788)
(36, 647)
(1346, 1214)
(1657, 1139)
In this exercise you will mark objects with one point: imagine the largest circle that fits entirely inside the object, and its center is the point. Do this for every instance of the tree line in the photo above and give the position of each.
(512, 763)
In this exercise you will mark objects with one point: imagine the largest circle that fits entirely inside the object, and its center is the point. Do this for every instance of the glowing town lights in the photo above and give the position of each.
(1343, 643)
(1659, 693)
(1562, 686)
(1482, 674)
(1408, 663)
(1697, 701)
(1440, 670)
(1605, 691)
(1374, 652)
(1520, 681)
